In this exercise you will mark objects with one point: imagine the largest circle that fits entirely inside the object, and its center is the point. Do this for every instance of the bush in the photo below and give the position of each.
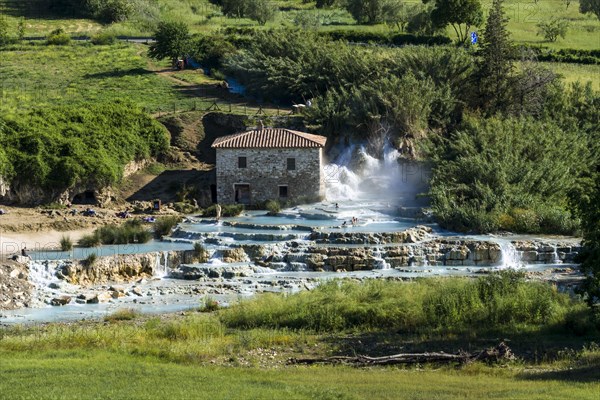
(58, 37)
(553, 28)
(104, 38)
(92, 240)
(209, 305)
(66, 244)
(90, 259)
(126, 314)
(164, 225)
(132, 231)
(273, 206)
(499, 168)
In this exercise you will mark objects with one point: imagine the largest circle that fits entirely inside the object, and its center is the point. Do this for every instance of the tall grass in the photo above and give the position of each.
(66, 244)
(164, 225)
(132, 231)
(501, 302)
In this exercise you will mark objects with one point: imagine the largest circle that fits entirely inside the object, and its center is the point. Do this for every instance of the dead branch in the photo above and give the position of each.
(494, 354)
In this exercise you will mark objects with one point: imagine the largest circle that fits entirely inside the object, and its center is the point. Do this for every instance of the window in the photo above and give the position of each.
(241, 162)
(291, 164)
(283, 191)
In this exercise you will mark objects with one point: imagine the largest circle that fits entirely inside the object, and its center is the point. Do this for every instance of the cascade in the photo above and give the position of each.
(510, 257)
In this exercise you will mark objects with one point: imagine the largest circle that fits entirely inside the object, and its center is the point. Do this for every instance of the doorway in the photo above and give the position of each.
(242, 193)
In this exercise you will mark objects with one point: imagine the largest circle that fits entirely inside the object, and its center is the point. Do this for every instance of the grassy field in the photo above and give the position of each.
(34, 76)
(243, 351)
(201, 16)
(98, 374)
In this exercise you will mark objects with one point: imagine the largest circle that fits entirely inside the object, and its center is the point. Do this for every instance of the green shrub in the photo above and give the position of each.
(58, 37)
(125, 314)
(92, 240)
(508, 173)
(66, 244)
(164, 225)
(90, 259)
(273, 206)
(103, 38)
(132, 231)
(209, 304)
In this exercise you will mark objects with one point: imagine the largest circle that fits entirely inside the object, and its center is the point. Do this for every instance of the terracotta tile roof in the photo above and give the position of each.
(269, 138)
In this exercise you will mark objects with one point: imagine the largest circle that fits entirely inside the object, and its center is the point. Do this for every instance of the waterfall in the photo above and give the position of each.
(380, 263)
(510, 257)
(161, 264)
(357, 174)
(555, 257)
(41, 274)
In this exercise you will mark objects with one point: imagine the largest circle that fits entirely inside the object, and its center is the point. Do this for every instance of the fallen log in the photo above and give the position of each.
(494, 354)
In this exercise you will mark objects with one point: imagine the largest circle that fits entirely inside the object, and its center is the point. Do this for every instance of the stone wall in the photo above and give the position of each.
(266, 170)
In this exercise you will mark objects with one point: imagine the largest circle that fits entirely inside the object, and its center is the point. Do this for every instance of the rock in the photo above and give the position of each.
(54, 285)
(60, 301)
(137, 291)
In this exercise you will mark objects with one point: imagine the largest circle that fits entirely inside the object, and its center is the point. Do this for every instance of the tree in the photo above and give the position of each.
(552, 29)
(260, 11)
(495, 66)
(172, 40)
(374, 11)
(590, 7)
(460, 14)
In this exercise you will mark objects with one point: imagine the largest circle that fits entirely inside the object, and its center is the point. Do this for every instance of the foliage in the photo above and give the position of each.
(496, 302)
(385, 38)
(66, 244)
(106, 11)
(132, 231)
(273, 206)
(460, 14)
(58, 37)
(172, 40)
(260, 11)
(90, 259)
(211, 50)
(374, 11)
(58, 148)
(91, 240)
(491, 167)
(590, 215)
(495, 65)
(104, 38)
(590, 7)
(552, 29)
(4, 32)
(208, 305)
(124, 314)
(164, 225)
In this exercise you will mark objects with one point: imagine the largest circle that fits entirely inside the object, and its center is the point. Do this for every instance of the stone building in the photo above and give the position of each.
(269, 164)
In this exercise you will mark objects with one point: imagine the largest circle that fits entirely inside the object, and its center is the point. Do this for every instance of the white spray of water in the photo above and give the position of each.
(510, 257)
(358, 175)
(161, 266)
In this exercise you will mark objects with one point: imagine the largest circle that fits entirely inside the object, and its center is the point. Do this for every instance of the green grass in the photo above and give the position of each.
(204, 355)
(97, 374)
(35, 76)
(202, 16)
(576, 72)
